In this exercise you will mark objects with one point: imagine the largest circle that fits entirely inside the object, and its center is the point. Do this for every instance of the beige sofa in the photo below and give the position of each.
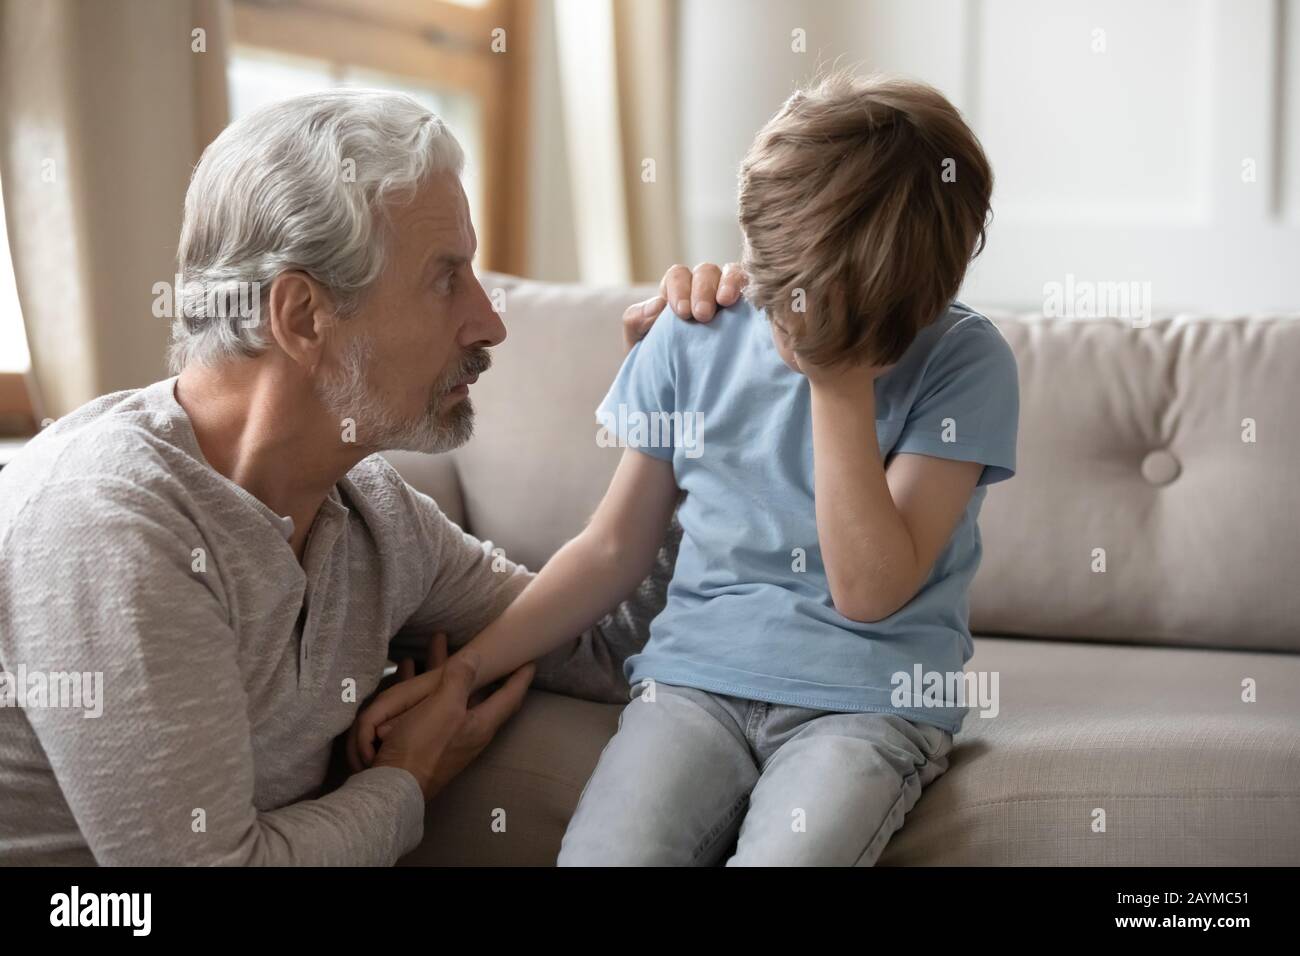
(1121, 692)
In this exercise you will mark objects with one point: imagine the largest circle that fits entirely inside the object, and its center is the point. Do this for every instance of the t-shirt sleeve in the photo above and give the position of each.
(968, 404)
(637, 409)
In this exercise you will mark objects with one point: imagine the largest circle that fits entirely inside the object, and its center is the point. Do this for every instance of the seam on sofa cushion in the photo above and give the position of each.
(1199, 794)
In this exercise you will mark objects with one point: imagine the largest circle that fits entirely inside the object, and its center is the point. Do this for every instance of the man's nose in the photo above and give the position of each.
(485, 327)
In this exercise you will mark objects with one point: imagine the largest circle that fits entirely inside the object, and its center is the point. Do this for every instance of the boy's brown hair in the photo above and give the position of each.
(843, 195)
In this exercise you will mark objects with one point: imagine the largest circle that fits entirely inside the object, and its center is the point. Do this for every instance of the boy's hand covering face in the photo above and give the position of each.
(785, 334)
(826, 374)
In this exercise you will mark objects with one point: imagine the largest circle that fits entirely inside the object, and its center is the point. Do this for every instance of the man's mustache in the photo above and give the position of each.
(474, 362)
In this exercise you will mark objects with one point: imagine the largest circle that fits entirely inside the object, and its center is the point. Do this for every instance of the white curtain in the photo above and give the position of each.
(616, 79)
(105, 106)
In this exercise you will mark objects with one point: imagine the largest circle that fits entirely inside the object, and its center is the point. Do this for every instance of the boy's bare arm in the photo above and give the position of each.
(589, 575)
(880, 532)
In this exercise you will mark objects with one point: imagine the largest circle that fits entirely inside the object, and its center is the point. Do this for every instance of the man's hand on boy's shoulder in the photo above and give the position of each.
(692, 294)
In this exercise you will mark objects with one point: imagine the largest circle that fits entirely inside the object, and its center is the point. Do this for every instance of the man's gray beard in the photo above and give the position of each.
(349, 395)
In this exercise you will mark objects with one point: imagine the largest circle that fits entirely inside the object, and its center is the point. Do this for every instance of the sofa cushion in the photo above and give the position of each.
(530, 777)
(1158, 738)
(1131, 445)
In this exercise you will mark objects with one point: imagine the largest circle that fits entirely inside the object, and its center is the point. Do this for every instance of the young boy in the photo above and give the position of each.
(833, 434)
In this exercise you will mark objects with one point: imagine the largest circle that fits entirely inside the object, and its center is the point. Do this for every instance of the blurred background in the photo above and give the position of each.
(1154, 142)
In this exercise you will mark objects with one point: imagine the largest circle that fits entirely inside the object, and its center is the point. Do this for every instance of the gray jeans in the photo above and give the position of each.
(692, 774)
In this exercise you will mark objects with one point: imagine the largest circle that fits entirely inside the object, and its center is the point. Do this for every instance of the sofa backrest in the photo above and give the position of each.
(1168, 455)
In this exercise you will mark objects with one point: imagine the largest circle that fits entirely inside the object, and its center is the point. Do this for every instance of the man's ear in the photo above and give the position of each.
(299, 313)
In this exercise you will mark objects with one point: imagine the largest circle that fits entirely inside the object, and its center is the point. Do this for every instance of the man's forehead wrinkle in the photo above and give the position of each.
(438, 240)
(437, 227)
(432, 221)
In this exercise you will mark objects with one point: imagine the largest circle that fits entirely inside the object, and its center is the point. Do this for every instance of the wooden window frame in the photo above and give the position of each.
(442, 44)
(17, 414)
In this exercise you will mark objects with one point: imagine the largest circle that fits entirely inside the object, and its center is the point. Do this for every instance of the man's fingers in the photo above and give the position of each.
(676, 289)
(704, 291)
(365, 742)
(392, 702)
(638, 318)
(734, 280)
(354, 755)
(642, 314)
(504, 703)
(437, 651)
(406, 669)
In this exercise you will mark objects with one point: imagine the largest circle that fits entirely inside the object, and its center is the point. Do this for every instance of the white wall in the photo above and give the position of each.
(1118, 165)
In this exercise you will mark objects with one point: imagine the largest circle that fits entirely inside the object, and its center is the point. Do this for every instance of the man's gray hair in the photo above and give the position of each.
(299, 184)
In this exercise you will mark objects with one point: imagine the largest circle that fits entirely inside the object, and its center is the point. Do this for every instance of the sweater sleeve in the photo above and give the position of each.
(95, 578)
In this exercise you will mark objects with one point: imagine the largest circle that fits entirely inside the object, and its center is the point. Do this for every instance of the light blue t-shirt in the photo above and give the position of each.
(749, 610)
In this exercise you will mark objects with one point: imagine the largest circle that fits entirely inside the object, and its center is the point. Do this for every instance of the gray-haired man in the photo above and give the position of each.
(224, 550)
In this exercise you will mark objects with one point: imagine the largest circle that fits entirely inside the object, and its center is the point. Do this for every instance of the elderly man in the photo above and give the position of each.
(224, 551)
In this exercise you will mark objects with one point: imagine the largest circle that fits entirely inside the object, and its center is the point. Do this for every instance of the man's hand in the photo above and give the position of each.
(694, 295)
(409, 689)
(440, 736)
(376, 718)
(433, 724)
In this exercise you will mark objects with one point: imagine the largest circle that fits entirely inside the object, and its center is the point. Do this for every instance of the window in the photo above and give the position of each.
(465, 60)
